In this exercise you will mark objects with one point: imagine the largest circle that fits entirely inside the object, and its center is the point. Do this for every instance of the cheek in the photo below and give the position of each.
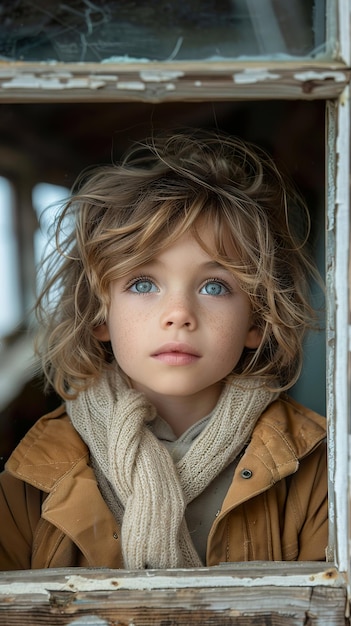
(127, 329)
(230, 333)
(120, 331)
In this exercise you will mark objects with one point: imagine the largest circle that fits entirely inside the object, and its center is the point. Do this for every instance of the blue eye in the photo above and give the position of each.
(143, 285)
(214, 288)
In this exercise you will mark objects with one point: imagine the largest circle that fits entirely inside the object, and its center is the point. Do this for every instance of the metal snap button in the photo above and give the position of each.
(246, 473)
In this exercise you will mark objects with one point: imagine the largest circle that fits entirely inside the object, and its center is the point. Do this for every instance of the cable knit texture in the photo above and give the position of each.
(143, 487)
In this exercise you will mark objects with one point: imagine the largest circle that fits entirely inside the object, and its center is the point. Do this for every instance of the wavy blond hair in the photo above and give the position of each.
(123, 215)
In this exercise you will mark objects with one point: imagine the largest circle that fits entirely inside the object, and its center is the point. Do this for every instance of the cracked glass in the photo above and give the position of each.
(127, 31)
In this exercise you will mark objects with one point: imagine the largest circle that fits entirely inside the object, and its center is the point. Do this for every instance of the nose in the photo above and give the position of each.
(179, 313)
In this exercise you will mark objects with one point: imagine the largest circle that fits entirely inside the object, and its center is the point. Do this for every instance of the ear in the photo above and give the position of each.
(101, 332)
(253, 337)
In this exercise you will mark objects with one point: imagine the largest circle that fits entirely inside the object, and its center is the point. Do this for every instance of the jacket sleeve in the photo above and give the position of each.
(310, 495)
(20, 506)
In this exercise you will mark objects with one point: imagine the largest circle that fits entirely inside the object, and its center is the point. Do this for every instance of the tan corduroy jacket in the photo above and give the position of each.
(53, 515)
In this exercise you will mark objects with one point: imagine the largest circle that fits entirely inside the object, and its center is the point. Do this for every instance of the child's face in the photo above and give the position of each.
(178, 325)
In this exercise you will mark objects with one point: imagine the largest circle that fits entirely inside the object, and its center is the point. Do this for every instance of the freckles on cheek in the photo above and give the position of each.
(231, 335)
(125, 329)
(222, 326)
(123, 332)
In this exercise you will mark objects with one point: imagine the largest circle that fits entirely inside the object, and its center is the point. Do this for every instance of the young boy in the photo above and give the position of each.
(171, 323)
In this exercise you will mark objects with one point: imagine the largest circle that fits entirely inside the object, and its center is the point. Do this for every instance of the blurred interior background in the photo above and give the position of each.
(43, 147)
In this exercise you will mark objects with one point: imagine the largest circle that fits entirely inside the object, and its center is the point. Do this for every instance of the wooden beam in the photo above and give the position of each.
(171, 81)
(245, 595)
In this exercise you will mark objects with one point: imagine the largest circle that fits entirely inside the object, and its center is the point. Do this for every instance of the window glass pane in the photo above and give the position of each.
(10, 309)
(124, 30)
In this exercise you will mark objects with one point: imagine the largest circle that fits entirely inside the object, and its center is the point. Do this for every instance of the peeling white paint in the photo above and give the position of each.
(131, 85)
(82, 83)
(93, 620)
(254, 75)
(338, 77)
(153, 581)
(107, 78)
(159, 76)
(198, 83)
(30, 81)
(79, 583)
(55, 83)
(18, 589)
(64, 75)
(341, 381)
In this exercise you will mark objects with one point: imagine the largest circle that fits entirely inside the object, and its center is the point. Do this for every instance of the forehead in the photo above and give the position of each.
(196, 247)
(189, 245)
(212, 231)
(216, 238)
(199, 238)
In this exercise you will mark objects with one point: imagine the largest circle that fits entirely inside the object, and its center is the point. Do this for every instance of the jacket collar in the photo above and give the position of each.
(285, 434)
(76, 506)
(48, 452)
(53, 458)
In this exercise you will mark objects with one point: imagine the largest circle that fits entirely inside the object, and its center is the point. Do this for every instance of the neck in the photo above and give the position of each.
(181, 412)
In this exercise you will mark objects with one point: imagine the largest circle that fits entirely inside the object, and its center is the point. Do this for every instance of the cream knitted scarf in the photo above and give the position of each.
(143, 487)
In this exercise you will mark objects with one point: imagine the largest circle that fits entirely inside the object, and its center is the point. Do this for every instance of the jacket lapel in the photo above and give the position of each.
(284, 434)
(53, 458)
(75, 506)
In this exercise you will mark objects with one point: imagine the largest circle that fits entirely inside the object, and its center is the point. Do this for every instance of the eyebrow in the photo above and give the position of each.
(206, 265)
(215, 265)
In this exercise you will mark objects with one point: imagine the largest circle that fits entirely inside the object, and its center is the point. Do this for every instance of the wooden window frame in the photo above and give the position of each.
(280, 593)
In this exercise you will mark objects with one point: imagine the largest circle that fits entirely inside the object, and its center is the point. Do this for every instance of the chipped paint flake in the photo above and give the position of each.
(30, 81)
(83, 83)
(51, 82)
(254, 75)
(338, 77)
(160, 76)
(131, 85)
(64, 75)
(107, 78)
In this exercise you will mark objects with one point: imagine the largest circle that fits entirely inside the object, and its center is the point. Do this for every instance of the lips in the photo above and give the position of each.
(176, 354)
(183, 348)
